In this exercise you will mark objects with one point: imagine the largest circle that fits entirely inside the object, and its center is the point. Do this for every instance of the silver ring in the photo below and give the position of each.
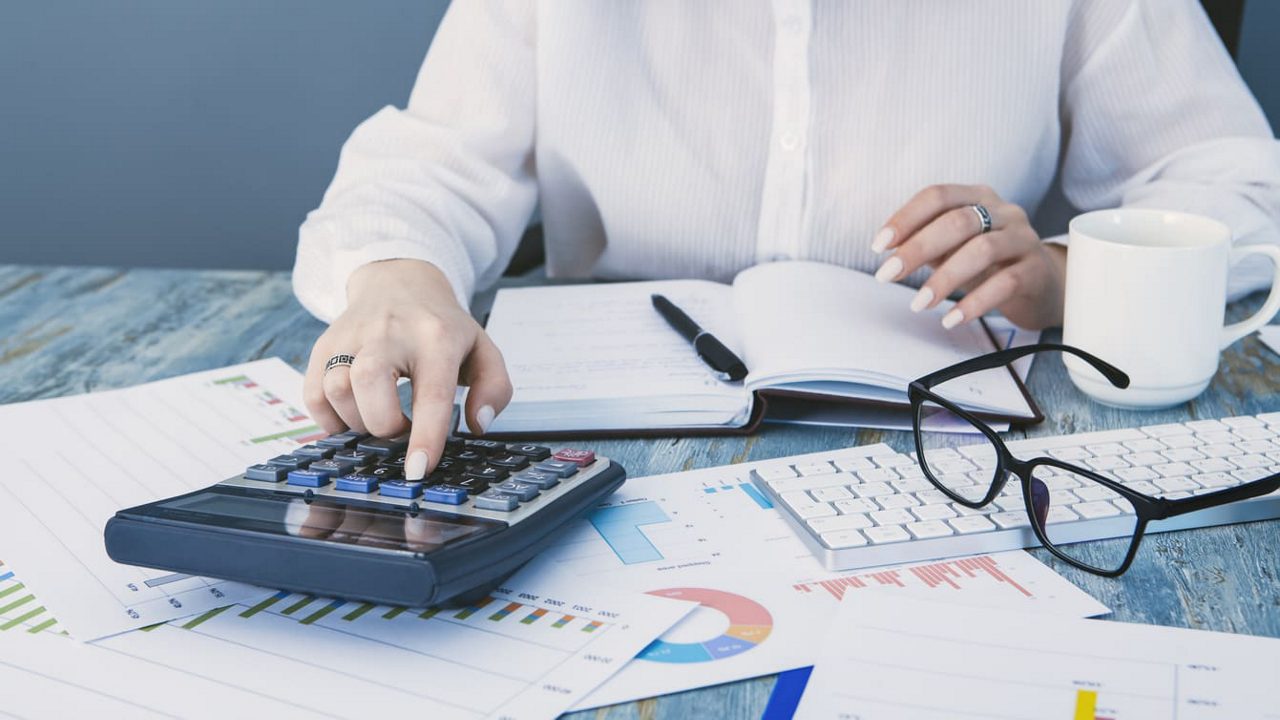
(339, 360)
(984, 217)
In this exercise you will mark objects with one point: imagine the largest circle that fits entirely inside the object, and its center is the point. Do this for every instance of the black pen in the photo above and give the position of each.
(712, 351)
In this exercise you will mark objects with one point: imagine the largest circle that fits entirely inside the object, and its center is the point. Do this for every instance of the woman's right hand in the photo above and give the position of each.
(402, 320)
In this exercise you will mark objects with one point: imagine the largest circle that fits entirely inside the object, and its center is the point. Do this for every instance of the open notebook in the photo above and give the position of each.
(598, 359)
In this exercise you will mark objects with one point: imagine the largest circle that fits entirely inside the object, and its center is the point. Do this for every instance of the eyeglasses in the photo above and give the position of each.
(1056, 495)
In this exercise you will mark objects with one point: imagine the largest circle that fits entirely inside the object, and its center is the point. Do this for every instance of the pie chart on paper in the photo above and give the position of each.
(749, 624)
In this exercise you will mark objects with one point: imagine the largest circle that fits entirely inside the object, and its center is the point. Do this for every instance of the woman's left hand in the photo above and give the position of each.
(1008, 268)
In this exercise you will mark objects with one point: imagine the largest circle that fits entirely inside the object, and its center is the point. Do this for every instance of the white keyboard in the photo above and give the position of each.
(870, 506)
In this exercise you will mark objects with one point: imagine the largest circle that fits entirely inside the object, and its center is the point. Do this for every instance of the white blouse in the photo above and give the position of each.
(683, 138)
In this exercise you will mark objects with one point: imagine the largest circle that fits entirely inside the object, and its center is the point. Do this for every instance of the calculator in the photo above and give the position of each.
(337, 518)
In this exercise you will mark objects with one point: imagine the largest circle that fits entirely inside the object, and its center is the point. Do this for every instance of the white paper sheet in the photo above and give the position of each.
(522, 654)
(911, 659)
(75, 461)
(711, 536)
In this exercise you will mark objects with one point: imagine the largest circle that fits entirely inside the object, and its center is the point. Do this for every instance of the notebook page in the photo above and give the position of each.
(600, 357)
(806, 322)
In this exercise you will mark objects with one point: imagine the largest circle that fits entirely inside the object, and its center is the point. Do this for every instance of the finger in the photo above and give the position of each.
(337, 390)
(974, 258)
(314, 396)
(435, 380)
(992, 293)
(373, 385)
(926, 205)
(490, 385)
(941, 236)
(315, 520)
(384, 532)
(354, 523)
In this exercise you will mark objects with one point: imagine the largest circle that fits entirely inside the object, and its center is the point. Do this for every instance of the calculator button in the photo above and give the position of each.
(355, 457)
(266, 472)
(447, 494)
(533, 452)
(494, 500)
(342, 440)
(400, 489)
(487, 473)
(356, 482)
(333, 467)
(468, 457)
(385, 473)
(290, 462)
(309, 478)
(511, 462)
(485, 447)
(453, 445)
(395, 461)
(472, 485)
(544, 480)
(581, 458)
(383, 446)
(524, 491)
(314, 452)
(558, 467)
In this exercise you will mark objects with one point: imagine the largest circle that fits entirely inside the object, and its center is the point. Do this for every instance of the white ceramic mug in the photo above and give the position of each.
(1146, 291)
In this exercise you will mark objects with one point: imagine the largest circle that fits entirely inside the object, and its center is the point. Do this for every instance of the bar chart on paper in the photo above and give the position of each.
(979, 662)
(517, 653)
(77, 460)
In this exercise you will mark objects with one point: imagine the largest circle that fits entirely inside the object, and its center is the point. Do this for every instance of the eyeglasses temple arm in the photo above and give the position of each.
(1003, 357)
(1182, 506)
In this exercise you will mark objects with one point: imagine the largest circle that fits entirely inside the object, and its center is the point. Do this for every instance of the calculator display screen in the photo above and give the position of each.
(321, 519)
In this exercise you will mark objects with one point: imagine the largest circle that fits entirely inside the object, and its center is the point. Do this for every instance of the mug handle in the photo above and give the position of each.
(1235, 331)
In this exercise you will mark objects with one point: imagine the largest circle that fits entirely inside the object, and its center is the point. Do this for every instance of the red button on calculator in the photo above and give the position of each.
(581, 458)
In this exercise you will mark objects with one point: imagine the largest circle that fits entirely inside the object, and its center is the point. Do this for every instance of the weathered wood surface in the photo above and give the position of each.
(72, 330)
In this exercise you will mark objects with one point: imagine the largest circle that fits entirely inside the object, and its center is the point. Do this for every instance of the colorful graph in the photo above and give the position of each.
(301, 434)
(950, 574)
(620, 527)
(749, 624)
(750, 490)
(19, 609)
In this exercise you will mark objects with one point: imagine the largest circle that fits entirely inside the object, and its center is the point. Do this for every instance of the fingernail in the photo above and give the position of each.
(484, 416)
(416, 466)
(882, 239)
(952, 318)
(889, 270)
(921, 300)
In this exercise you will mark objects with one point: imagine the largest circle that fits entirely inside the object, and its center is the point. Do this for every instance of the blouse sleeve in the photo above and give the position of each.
(1155, 115)
(448, 180)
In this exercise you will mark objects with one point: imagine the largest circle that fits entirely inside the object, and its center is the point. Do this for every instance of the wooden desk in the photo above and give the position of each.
(72, 330)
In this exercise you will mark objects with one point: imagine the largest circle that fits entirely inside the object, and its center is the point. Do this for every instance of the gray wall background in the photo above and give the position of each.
(198, 133)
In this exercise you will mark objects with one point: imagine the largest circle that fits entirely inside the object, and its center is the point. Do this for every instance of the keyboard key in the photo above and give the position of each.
(1272, 419)
(932, 496)
(453, 445)
(1009, 504)
(266, 472)
(1059, 514)
(1244, 462)
(544, 480)
(812, 510)
(524, 491)
(894, 461)
(933, 512)
(383, 446)
(1106, 463)
(878, 475)
(395, 461)
(346, 439)
(855, 506)
(557, 467)
(831, 494)
(1251, 474)
(1202, 426)
(510, 462)
(533, 452)
(1221, 450)
(971, 524)
(1175, 484)
(487, 473)
(839, 522)
(1257, 446)
(290, 462)
(307, 478)
(446, 494)
(843, 539)
(1063, 497)
(333, 467)
(400, 489)
(1242, 421)
(314, 452)
(873, 489)
(1182, 454)
(896, 516)
(810, 483)
(855, 464)
(1214, 438)
(1011, 519)
(1091, 510)
(1132, 474)
(1216, 480)
(943, 467)
(356, 482)
(494, 500)
(474, 486)
(581, 458)
(1065, 482)
(1145, 488)
(1145, 458)
(484, 447)
(1176, 469)
(1177, 441)
(897, 500)
(355, 457)
(1213, 465)
(886, 534)
(1071, 454)
(928, 529)
(910, 471)
(1160, 431)
(912, 485)
(1104, 449)
(1090, 493)
(776, 472)
(815, 468)
(1144, 445)
(385, 473)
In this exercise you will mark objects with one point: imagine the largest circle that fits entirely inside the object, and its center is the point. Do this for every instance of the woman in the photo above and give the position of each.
(673, 139)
